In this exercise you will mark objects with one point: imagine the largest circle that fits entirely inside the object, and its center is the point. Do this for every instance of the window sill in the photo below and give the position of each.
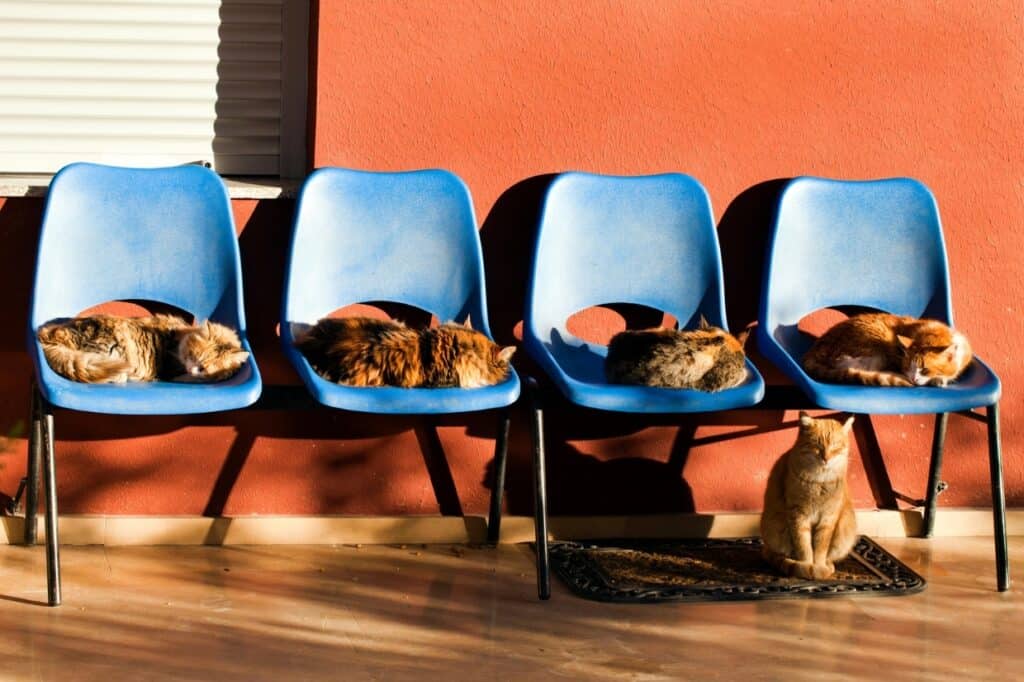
(35, 185)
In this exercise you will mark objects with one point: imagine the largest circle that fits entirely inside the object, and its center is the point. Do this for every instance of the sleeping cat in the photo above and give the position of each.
(808, 522)
(707, 358)
(362, 351)
(107, 349)
(889, 350)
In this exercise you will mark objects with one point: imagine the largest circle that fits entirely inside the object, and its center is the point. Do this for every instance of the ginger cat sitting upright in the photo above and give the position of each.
(880, 349)
(808, 522)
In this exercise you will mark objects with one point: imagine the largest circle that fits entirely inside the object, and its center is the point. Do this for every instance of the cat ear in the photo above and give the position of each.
(239, 356)
(704, 324)
(905, 341)
(805, 419)
(743, 336)
(848, 425)
(505, 354)
(950, 351)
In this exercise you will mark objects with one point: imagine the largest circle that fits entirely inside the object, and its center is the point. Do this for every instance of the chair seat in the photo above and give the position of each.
(578, 370)
(156, 398)
(393, 400)
(977, 387)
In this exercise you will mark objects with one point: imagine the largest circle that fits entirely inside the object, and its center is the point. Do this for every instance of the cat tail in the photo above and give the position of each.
(85, 366)
(854, 375)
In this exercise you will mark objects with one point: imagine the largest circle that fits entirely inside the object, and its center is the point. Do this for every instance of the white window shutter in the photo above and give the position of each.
(142, 83)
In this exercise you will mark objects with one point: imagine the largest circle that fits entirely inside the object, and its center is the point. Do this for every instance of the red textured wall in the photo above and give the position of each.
(505, 95)
(739, 96)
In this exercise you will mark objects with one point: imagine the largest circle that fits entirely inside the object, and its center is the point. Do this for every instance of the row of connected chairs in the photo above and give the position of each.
(167, 235)
(651, 241)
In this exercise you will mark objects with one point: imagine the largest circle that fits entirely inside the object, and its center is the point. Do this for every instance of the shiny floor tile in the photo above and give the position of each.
(454, 613)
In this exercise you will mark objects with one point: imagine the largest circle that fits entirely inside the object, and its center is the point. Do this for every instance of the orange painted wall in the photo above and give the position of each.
(505, 94)
(739, 95)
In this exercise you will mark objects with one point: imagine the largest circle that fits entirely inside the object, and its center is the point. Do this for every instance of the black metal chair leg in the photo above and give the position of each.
(935, 486)
(35, 455)
(498, 491)
(50, 481)
(540, 496)
(995, 460)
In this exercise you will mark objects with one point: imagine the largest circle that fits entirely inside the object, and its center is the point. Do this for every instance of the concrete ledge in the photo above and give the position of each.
(36, 185)
(314, 530)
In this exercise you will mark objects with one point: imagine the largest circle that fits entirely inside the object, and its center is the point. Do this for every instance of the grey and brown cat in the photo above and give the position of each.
(707, 358)
(808, 522)
(363, 351)
(109, 349)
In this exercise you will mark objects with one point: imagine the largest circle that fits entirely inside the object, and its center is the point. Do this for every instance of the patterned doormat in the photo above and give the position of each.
(716, 570)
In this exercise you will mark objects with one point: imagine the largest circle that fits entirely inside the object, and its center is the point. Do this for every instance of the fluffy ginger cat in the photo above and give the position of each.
(808, 522)
(880, 349)
(707, 358)
(107, 349)
(362, 351)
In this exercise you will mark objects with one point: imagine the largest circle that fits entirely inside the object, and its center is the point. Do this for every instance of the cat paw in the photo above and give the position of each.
(800, 569)
(900, 380)
(822, 571)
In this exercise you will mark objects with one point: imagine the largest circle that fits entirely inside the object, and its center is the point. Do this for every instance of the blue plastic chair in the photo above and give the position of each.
(877, 245)
(649, 241)
(162, 234)
(408, 238)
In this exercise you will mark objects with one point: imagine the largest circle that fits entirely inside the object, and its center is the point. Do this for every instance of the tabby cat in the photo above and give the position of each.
(362, 351)
(707, 358)
(808, 522)
(108, 349)
(880, 349)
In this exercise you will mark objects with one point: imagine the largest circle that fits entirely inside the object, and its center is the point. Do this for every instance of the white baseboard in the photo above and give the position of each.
(325, 530)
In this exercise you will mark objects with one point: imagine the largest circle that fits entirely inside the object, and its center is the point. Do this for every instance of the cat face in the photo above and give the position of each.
(733, 343)
(211, 352)
(824, 442)
(932, 359)
(479, 361)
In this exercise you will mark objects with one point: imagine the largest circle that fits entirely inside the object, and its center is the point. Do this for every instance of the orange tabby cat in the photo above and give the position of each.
(107, 349)
(808, 522)
(362, 351)
(889, 350)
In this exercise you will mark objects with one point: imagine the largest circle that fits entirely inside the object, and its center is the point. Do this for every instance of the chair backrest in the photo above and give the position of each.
(646, 240)
(876, 244)
(159, 234)
(408, 237)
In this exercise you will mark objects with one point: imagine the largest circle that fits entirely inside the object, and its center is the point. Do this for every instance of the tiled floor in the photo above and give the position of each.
(452, 613)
